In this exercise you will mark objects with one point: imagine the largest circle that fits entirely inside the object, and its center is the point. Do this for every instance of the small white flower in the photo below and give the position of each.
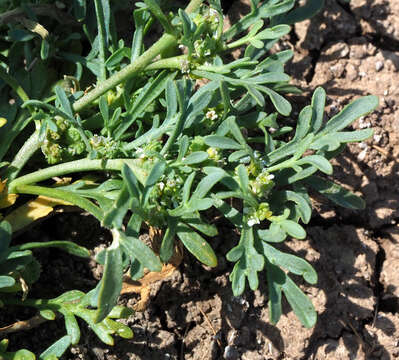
(270, 177)
(253, 221)
(161, 185)
(181, 47)
(211, 114)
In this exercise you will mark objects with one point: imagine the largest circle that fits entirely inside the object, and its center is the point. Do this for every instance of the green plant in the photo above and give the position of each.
(163, 150)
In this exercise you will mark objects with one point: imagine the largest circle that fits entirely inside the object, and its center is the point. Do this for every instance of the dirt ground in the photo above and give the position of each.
(350, 50)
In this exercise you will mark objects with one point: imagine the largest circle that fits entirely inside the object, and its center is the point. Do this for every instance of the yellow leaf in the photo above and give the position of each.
(3, 121)
(32, 211)
(6, 199)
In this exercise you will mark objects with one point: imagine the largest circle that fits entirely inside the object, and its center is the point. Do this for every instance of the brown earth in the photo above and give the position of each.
(350, 50)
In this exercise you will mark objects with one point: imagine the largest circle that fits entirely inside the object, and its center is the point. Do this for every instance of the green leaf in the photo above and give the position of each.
(196, 245)
(243, 177)
(5, 238)
(137, 249)
(166, 250)
(292, 263)
(195, 158)
(63, 100)
(156, 172)
(47, 314)
(6, 281)
(282, 105)
(350, 113)
(274, 234)
(275, 279)
(318, 105)
(71, 326)
(57, 349)
(67, 246)
(301, 13)
(221, 142)
(293, 229)
(300, 303)
(336, 193)
(115, 215)
(303, 206)
(318, 161)
(111, 282)
(206, 184)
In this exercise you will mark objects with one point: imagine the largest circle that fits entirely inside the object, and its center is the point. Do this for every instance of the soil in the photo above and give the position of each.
(351, 50)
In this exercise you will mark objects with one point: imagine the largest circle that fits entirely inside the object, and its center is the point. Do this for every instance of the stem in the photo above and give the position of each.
(101, 37)
(62, 195)
(138, 65)
(66, 168)
(170, 63)
(24, 154)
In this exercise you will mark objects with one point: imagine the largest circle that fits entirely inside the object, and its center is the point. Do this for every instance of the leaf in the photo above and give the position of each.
(67, 246)
(195, 158)
(336, 193)
(318, 105)
(303, 206)
(115, 215)
(300, 303)
(349, 114)
(318, 161)
(292, 263)
(63, 100)
(196, 245)
(222, 142)
(293, 229)
(248, 265)
(275, 279)
(111, 282)
(6, 281)
(156, 172)
(275, 233)
(206, 184)
(282, 105)
(166, 250)
(57, 349)
(301, 13)
(243, 177)
(5, 239)
(137, 249)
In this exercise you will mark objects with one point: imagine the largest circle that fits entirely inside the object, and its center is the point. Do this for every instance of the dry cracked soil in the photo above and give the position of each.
(351, 49)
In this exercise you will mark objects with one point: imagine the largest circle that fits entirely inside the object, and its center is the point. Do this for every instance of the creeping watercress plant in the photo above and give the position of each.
(170, 133)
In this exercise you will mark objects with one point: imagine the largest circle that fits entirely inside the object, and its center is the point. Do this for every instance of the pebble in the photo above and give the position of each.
(230, 353)
(379, 65)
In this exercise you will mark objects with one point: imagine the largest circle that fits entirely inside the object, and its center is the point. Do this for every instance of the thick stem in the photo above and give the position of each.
(66, 168)
(23, 155)
(170, 63)
(165, 42)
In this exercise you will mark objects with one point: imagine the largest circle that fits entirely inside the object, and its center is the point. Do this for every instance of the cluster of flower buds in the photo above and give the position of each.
(62, 145)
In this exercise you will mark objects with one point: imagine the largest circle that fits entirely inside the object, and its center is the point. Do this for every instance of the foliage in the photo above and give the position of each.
(168, 134)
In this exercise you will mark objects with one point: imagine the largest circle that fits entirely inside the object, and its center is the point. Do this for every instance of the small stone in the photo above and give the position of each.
(230, 353)
(379, 65)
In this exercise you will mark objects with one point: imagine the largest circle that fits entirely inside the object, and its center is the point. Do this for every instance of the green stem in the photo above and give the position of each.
(101, 37)
(169, 63)
(66, 168)
(165, 42)
(61, 195)
(14, 84)
(24, 154)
